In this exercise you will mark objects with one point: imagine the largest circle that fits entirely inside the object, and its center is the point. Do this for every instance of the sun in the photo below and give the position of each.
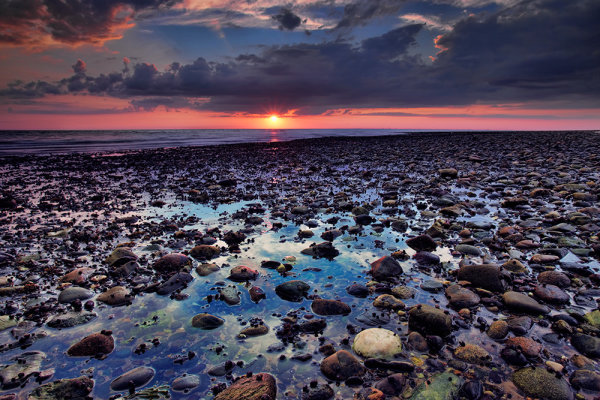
(274, 118)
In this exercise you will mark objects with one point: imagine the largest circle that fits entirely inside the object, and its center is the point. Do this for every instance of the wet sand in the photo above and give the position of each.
(431, 265)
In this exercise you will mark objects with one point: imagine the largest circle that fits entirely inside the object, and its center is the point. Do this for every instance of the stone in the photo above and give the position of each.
(260, 386)
(72, 389)
(205, 252)
(522, 303)
(78, 276)
(94, 345)
(206, 321)
(551, 294)
(185, 382)
(119, 256)
(230, 295)
(498, 330)
(593, 318)
(136, 377)
(23, 366)
(386, 268)
(7, 322)
(294, 290)
(432, 285)
(422, 243)
(485, 276)
(473, 354)
(234, 238)
(174, 262)
(403, 292)
(444, 386)
(556, 278)
(429, 320)
(586, 345)
(448, 173)
(468, 250)
(73, 293)
(539, 383)
(321, 250)
(388, 301)
(330, 307)
(319, 392)
(586, 379)
(116, 296)
(519, 325)
(258, 330)
(242, 273)
(357, 290)
(460, 297)
(176, 282)
(257, 294)
(70, 319)
(206, 269)
(417, 342)
(528, 346)
(377, 343)
(341, 365)
(426, 258)
(391, 385)
(515, 266)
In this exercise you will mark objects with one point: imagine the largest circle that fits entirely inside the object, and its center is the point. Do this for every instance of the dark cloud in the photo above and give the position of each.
(287, 19)
(29, 22)
(539, 50)
(79, 67)
(362, 11)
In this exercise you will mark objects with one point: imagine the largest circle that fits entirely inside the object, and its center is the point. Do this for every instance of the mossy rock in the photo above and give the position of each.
(540, 383)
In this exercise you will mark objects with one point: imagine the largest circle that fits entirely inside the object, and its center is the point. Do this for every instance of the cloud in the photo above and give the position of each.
(540, 50)
(79, 67)
(362, 11)
(287, 19)
(74, 22)
(430, 21)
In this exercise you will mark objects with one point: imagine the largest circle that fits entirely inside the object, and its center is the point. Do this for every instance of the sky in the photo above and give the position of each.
(255, 64)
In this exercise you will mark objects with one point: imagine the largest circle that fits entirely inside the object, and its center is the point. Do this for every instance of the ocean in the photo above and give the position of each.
(91, 141)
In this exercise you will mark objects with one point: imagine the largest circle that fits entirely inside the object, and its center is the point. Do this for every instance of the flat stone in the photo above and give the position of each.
(116, 296)
(341, 365)
(586, 345)
(521, 302)
(96, 344)
(485, 276)
(206, 321)
(174, 262)
(257, 387)
(429, 320)
(241, 273)
(377, 343)
(70, 319)
(136, 377)
(294, 290)
(473, 354)
(176, 282)
(73, 293)
(330, 307)
(23, 366)
(72, 389)
(444, 386)
(460, 297)
(185, 382)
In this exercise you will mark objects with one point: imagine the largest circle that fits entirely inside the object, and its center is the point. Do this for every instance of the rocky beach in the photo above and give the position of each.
(451, 265)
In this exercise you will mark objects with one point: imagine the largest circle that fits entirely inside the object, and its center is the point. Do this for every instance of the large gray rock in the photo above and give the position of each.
(377, 343)
(522, 303)
(485, 276)
(136, 377)
(386, 268)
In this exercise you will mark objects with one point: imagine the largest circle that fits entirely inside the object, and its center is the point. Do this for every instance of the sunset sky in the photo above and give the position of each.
(435, 64)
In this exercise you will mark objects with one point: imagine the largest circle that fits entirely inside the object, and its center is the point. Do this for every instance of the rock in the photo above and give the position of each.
(519, 325)
(73, 293)
(136, 377)
(460, 297)
(206, 321)
(320, 391)
(176, 282)
(70, 319)
(523, 303)
(174, 262)
(444, 386)
(386, 268)
(229, 295)
(321, 250)
(586, 345)
(185, 382)
(73, 389)
(234, 238)
(543, 259)
(258, 330)
(206, 269)
(515, 266)
(377, 343)
(593, 318)
(426, 258)
(417, 342)
(331, 235)
(473, 354)
(432, 285)
(485, 276)
(498, 330)
(357, 290)
(448, 173)
(257, 387)
(120, 256)
(78, 276)
(315, 325)
(422, 243)
(551, 294)
(116, 296)
(305, 233)
(391, 385)
(586, 379)
(242, 273)
(403, 292)
(468, 249)
(7, 322)
(555, 278)
(300, 210)
(539, 383)
(429, 320)
(388, 301)
(292, 290)
(341, 365)
(205, 252)
(94, 345)
(24, 365)
(330, 307)
(257, 294)
(528, 346)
